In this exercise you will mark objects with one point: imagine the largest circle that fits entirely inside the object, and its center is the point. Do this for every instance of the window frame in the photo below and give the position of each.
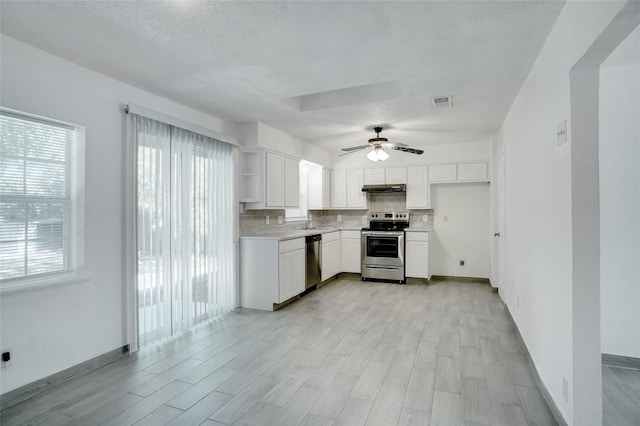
(73, 214)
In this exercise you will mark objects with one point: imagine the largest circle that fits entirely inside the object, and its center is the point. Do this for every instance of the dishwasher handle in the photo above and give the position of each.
(313, 238)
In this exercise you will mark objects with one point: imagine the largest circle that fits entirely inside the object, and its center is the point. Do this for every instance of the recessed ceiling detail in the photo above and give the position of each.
(356, 95)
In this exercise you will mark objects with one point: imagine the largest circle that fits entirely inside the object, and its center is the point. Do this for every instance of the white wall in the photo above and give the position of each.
(620, 200)
(259, 134)
(465, 235)
(539, 200)
(51, 329)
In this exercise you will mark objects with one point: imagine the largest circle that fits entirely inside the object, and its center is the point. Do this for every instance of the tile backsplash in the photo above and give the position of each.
(256, 219)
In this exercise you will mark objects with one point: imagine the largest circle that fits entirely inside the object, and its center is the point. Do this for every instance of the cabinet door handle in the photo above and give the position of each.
(497, 234)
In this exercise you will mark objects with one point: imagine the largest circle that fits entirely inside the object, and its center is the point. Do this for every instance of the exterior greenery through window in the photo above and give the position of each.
(40, 198)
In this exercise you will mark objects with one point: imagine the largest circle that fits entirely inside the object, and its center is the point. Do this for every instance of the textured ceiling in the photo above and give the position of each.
(246, 61)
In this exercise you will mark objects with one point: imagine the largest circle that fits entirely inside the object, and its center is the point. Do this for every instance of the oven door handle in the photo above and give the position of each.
(382, 234)
(386, 268)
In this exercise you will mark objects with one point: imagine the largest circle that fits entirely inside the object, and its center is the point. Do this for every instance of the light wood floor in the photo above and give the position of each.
(350, 353)
(620, 396)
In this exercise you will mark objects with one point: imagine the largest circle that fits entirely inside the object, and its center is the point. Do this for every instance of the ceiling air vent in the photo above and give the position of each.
(442, 101)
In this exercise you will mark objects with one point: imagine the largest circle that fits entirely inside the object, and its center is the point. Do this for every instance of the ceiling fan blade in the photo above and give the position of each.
(409, 150)
(392, 144)
(356, 148)
(353, 150)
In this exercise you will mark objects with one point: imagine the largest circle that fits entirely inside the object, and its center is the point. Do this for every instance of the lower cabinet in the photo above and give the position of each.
(271, 271)
(292, 274)
(351, 261)
(417, 254)
(331, 264)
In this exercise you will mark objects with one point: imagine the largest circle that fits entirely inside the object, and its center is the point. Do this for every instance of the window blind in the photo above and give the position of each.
(40, 198)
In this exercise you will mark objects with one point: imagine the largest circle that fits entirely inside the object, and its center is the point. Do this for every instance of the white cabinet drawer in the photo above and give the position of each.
(416, 236)
(351, 234)
(330, 236)
(290, 245)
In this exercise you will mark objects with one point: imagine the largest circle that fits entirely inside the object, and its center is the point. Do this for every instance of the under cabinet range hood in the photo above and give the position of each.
(398, 187)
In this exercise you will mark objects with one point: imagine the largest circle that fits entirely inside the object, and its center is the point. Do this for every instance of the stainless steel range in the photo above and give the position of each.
(383, 247)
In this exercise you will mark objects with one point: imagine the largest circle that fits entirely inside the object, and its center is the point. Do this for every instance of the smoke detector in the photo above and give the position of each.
(442, 102)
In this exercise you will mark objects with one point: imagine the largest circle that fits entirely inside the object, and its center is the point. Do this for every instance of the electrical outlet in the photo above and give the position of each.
(280, 220)
(565, 389)
(266, 220)
(339, 218)
(425, 217)
(462, 263)
(310, 216)
(364, 219)
(561, 133)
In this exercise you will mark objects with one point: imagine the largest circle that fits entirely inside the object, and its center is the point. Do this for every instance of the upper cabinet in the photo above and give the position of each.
(388, 175)
(269, 180)
(275, 180)
(476, 171)
(346, 189)
(291, 182)
(395, 175)
(356, 199)
(443, 173)
(473, 171)
(338, 189)
(418, 187)
(373, 176)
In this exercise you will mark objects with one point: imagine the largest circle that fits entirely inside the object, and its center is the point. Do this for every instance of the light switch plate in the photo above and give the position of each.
(280, 220)
(266, 220)
(339, 218)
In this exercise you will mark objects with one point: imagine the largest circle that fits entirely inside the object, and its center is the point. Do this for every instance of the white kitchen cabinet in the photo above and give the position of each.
(351, 245)
(331, 263)
(443, 173)
(338, 189)
(291, 274)
(417, 254)
(274, 180)
(326, 189)
(388, 175)
(269, 173)
(251, 176)
(291, 182)
(374, 176)
(356, 199)
(271, 271)
(473, 171)
(418, 192)
(395, 175)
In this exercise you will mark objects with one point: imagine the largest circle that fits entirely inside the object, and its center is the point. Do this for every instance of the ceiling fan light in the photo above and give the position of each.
(373, 155)
(382, 155)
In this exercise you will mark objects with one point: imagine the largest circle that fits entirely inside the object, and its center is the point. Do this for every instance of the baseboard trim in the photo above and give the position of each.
(27, 391)
(463, 279)
(543, 389)
(611, 360)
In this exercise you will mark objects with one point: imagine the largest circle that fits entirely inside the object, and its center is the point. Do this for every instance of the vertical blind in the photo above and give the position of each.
(185, 225)
(40, 198)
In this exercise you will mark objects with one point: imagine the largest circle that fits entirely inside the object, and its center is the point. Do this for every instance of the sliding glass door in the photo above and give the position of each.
(185, 251)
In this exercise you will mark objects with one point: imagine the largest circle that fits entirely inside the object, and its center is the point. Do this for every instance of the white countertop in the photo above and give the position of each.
(297, 233)
(301, 233)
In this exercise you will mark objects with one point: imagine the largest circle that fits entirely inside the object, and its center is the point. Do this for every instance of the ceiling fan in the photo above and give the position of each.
(378, 145)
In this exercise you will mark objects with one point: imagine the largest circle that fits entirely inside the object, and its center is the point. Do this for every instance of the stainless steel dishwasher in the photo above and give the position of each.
(314, 248)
